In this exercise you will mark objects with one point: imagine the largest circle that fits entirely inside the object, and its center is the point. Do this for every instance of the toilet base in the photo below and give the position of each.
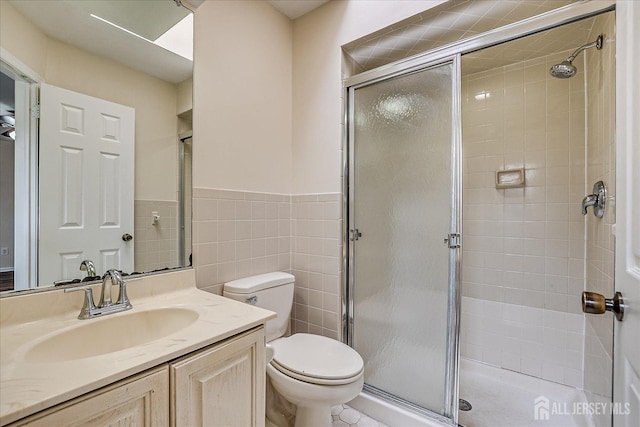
(316, 416)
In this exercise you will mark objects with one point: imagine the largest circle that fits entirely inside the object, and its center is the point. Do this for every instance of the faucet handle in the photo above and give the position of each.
(122, 297)
(115, 275)
(597, 200)
(88, 304)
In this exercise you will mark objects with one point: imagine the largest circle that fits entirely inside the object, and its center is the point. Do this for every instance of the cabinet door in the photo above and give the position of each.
(222, 385)
(139, 401)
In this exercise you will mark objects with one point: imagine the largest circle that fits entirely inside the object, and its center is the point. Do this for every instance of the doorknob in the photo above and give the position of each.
(126, 237)
(594, 303)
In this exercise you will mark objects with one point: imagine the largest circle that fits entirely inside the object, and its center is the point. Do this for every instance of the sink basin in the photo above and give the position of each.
(111, 333)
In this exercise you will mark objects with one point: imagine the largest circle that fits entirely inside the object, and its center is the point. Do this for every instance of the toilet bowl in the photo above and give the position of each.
(315, 373)
(311, 371)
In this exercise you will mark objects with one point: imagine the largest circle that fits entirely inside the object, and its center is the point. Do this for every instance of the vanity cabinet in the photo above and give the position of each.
(137, 401)
(220, 385)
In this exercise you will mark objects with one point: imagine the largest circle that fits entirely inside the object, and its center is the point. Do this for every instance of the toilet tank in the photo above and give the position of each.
(271, 291)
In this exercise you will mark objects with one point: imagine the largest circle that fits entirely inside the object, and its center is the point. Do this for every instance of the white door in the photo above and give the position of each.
(86, 172)
(626, 350)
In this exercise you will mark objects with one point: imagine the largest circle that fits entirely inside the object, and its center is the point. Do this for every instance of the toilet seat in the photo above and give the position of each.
(316, 359)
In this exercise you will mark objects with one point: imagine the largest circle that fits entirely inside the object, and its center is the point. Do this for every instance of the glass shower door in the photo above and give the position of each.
(402, 204)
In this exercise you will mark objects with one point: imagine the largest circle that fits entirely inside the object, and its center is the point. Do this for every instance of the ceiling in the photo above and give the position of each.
(71, 23)
(449, 22)
(296, 8)
(563, 39)
(293, 9)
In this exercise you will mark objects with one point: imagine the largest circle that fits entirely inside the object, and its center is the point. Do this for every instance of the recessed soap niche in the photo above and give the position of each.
(510, 178)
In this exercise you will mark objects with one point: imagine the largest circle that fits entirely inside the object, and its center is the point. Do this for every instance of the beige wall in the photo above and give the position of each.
(242, 114)
(317, 83)
(154, 100)
(184, 101)
(269, 92)
(268, 120)
(22, 39)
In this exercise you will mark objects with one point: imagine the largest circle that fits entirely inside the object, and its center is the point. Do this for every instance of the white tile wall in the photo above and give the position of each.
(524, 246)
(543, 343)
(238, 234)
(317, 263)
(600, 69)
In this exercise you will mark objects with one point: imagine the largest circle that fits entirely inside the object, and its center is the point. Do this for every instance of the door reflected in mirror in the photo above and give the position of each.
(113, 185)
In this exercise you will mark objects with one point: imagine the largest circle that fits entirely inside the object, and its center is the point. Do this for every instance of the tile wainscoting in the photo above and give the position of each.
(317, 263)
(543, 343)
(238, 234)
(156, 245)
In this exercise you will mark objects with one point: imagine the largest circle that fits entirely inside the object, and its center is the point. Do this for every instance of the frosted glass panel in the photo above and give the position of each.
(402, 143)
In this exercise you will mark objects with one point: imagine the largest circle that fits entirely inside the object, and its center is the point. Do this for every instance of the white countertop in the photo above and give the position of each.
(27, 387)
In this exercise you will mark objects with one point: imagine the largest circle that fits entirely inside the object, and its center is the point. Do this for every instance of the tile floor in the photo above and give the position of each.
(344, 416)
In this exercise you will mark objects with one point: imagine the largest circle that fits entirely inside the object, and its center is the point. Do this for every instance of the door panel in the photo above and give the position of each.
(86, 175)
(401, 202)
(626, 362)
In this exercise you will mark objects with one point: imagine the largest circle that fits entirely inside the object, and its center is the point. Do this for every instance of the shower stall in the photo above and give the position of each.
(467, 247)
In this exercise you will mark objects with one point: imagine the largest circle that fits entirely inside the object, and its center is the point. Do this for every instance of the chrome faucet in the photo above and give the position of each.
(106, 305)
(89, 267)
(590, 200)
(115, 278)
(597, 200)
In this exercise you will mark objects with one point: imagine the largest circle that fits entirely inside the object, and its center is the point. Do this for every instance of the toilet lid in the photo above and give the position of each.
(315, 356)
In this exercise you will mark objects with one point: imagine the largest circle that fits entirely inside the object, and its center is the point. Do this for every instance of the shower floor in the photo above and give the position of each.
(502, 398)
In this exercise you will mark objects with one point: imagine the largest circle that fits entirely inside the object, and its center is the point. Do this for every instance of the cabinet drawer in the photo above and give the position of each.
(137, 401)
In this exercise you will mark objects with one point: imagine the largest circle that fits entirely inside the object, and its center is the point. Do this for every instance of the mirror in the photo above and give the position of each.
(136, 56)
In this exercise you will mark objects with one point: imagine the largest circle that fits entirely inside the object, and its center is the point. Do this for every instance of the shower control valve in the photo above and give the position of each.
(597, 200)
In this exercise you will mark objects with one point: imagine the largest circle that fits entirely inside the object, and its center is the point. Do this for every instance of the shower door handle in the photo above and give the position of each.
(452, 240)
(355, 234)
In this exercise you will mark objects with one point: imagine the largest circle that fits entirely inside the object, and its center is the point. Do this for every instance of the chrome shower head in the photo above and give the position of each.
(563, 70)
(566, 69)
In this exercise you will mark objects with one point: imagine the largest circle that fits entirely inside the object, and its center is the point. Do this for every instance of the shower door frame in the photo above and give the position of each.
(450, 405)
(555, 18)
(182, 197)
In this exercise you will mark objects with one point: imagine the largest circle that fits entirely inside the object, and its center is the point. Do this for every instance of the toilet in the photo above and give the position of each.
(311, 371)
